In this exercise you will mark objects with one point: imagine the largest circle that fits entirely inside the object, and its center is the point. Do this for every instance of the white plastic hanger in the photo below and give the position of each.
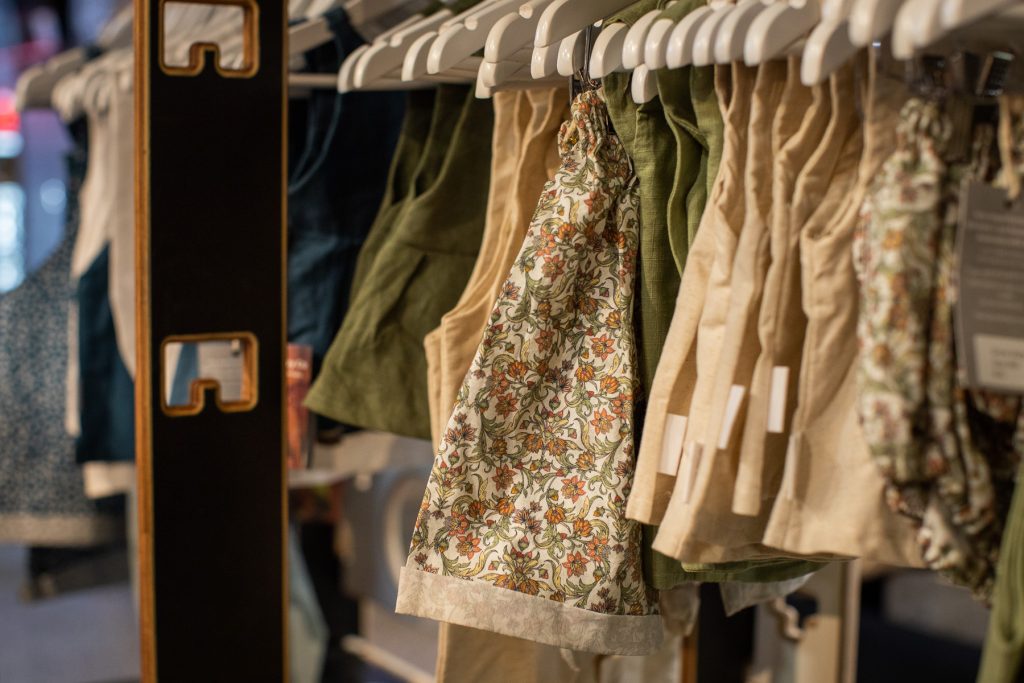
(956, 13)
(34, 88)
(571, 53)
(606, 55)
(385, 58)
(514, 31)
(307, 35)
(545, 60)
(679, 51)
(733, 32)
(829, 45)
(917, 25)
(636, 40)
(467, 36)
(346, 74)
(643, 87)
(364, 11)
(871, 20)
(118, 31)
(704, 38)
(564, 17)
(778, 27)
(656, 45)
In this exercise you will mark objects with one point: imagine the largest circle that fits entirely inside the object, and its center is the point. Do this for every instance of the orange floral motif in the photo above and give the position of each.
(602, 421)
(602, 346)
(573, 487)
(585, 372)
(555, 514)
(468, 545)
(576, 564)
(503, 476)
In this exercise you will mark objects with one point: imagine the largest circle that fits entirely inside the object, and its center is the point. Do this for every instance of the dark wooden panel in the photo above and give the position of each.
(211, 262)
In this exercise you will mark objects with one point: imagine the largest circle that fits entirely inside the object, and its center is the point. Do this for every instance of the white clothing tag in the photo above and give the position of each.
(672, 444)
(990, 292)
(999, 362)
(777, 400)
(692, 463)
(732, 410)
(788, 488)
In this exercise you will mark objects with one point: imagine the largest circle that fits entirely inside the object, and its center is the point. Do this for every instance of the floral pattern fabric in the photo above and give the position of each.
(523, 529)
(935, 442)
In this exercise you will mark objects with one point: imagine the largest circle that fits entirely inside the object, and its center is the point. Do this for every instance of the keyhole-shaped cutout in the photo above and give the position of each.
(226, 30)
(192, 365)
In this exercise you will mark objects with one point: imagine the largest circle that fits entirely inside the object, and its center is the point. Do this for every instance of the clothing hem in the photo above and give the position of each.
(58, 530)
(480, 605)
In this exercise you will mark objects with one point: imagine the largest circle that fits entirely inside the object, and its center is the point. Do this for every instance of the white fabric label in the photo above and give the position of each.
(732, 410)
(777, 400)
(788, 488)
(672, 444)
(691, 463)
(1000, 361)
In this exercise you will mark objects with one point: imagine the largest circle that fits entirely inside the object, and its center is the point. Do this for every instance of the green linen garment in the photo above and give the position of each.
(375, 373)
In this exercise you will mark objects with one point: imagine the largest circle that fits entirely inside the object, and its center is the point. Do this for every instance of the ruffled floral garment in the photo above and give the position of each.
(948, 454)
(523, 528)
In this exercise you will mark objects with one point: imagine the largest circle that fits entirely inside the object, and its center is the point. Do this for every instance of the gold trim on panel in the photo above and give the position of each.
(143, 376)
(197, 51)
(197, 390)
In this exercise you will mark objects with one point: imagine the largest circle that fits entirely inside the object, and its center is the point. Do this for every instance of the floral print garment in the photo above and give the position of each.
(523, 529)
(935, 442)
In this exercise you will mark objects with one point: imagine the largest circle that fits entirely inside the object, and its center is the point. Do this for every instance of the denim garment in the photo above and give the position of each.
(107, 404)
(335, 188)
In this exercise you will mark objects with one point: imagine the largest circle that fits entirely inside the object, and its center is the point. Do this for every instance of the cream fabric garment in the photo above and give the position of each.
(511, 116)
(711, 253)
(712, 532)
(821, 188)
(831, 496)
(463, 327)
(778, 112)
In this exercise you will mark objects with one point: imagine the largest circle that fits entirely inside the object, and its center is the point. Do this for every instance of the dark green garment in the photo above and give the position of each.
(408, 161)
(375, 373)
(647, 137)
(1004, 645)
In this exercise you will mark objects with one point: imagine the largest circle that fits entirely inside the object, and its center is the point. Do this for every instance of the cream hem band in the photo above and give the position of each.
(482, 606)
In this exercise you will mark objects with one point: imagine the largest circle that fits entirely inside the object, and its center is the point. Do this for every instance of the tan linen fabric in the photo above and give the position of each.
(463, 327)
(469, 655)
(831, 497)
(823, 186)
(704, 530)
(511, 115)
(672, 390)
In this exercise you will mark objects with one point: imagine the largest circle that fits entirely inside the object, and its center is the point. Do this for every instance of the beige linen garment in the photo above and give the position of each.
(463, 327)
(511, 115)
(831, 496)
(714, 533)
(802, 179)
(709, 261)
(822, 187)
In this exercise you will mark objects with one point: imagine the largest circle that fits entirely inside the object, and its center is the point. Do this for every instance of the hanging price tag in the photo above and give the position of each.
(990, 304)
